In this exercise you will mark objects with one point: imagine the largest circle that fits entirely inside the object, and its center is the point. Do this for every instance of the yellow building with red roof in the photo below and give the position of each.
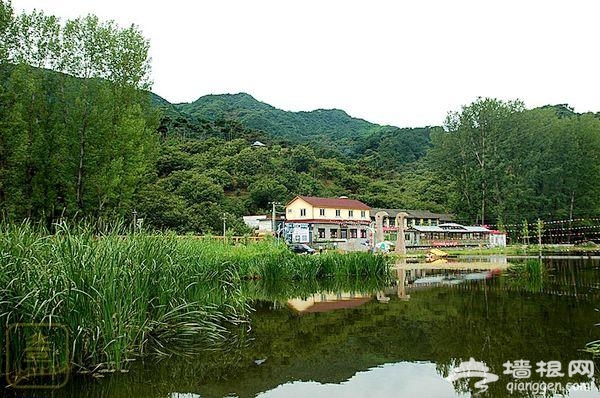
(341, 223)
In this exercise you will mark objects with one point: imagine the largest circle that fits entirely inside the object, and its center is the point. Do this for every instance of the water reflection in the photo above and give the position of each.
(402, 379)
(403, 347)
(323, 302)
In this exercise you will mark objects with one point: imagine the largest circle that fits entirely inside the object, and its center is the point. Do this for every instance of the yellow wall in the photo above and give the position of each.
(292, 212)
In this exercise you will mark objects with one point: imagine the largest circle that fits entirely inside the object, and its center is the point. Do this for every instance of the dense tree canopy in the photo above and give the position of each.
(81, 136)
(77, 133)
(502, 162)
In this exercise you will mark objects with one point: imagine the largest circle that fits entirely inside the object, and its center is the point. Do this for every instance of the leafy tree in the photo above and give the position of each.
(302, 158)
(162, 209)
(468, 153)
(193, 186)
(79, 138)
(6, 20)
(266, 190)
(525, 232)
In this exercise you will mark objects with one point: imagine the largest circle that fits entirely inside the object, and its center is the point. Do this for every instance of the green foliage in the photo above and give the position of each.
(529, 276)
(78, 139)
(525, 232)
(80, 135)
(121, 294)
(118, 295)
(332, 132)
(539, 229)
(199, 179)
(6, 17)
(502, 162)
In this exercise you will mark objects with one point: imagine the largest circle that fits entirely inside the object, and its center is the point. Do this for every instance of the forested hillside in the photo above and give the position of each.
(231, 177)
(81, 136)
(209, 168)
(331, 131)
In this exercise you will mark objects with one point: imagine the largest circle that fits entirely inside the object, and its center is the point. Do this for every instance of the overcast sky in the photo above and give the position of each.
(405, 63)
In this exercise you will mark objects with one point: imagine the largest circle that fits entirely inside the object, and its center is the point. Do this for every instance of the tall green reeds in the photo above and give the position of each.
(529, 276)
(117, 295)
(121, 295)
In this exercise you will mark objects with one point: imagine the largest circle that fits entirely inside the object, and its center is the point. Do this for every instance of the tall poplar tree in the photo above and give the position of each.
(78, 131)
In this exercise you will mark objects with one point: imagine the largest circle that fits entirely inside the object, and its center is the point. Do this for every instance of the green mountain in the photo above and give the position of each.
(294, 126)
(330, 129)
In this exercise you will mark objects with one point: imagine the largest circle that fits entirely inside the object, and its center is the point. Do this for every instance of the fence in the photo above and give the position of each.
(569, 231)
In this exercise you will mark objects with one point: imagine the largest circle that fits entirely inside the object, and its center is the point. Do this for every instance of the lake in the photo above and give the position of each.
(399, 337)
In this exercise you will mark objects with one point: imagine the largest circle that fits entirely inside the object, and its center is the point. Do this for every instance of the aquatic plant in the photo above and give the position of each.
(528, 276)
(117, 295)
(123, 294)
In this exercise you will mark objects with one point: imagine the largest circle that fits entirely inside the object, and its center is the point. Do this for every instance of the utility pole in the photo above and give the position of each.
(273, 204)
(224, 225)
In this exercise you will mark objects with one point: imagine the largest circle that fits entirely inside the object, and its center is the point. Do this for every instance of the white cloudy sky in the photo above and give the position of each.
(405, 63)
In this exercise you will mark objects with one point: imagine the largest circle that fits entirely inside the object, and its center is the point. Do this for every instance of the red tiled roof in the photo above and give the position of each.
(336, 203)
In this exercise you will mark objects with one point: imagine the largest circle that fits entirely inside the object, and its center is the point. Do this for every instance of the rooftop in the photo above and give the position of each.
(449, 227)
(425, 214)
(336, 203)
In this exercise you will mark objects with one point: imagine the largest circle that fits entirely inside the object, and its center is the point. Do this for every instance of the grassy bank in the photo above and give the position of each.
(124, 295)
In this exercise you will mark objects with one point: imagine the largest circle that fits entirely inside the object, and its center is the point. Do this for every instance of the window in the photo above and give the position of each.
(321, 232)
(333, 233)
(344, 234)
(338, 213)
(321, 212)
(353, 233)
(289, 210)
(350, 213)
(363, 214)
(363, 233)
(302, 212)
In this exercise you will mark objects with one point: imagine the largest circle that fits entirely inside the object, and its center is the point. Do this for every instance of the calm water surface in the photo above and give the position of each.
(401, 339)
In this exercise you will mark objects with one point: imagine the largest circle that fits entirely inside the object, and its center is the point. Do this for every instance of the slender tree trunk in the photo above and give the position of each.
(80, 168)
(483, 193)
(30, 169)
(571, 216)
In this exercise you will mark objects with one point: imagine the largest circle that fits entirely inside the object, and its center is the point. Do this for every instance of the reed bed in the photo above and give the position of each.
(124, 295)
(529, 276)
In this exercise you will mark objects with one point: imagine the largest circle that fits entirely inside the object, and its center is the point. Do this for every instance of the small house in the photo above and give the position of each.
(329, 222)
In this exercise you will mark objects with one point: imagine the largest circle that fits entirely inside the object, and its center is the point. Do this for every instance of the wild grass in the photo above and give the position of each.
(528, 276)
(124, 295)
